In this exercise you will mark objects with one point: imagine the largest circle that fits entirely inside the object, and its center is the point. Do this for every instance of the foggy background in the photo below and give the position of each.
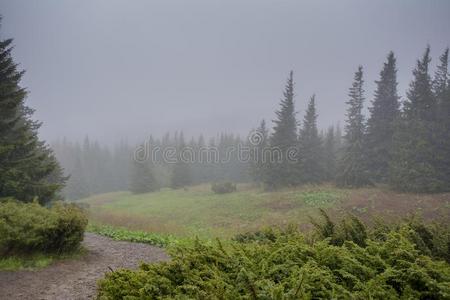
(125, 69)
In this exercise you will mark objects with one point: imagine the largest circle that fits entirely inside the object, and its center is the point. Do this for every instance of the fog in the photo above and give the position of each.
(125, 69)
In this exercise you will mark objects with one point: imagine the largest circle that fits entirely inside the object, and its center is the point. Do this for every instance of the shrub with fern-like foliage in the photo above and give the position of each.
(276, 264)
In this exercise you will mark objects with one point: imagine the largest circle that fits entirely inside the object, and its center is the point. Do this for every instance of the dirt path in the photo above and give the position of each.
(76, 279)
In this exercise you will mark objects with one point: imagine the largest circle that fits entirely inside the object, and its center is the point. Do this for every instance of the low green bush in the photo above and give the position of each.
(27, 228)
(223, 187)
(276, 264)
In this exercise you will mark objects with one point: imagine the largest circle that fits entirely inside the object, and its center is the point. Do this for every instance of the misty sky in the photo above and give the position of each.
(114, 69)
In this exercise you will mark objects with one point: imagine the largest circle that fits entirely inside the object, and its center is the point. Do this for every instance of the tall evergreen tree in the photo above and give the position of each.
(380, 126)
(338, 138)
(181, 173)
(352, 166)
(310, 147)
(77, 186)
(330, 154)
(441, 78)
(413, 166)
(283, 170)
(259, 156)
(443, 141)
(142, 179)
(28, 168)
(441, 89)
(421, 103)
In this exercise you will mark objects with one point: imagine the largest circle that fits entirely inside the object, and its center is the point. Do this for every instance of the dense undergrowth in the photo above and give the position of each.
(338, 261)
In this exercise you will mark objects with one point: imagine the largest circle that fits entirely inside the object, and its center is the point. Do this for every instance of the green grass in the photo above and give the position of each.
(123, 234)
(21, 263)
(199, 212)
(35, 261)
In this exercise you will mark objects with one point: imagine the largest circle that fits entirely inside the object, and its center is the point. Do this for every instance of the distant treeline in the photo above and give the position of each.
(92, 169)
(98, 169)
(404, 144)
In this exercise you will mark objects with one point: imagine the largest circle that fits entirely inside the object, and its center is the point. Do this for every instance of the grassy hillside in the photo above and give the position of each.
(199, 211)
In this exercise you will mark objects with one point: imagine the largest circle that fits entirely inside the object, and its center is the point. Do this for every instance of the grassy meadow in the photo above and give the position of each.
(197, 211)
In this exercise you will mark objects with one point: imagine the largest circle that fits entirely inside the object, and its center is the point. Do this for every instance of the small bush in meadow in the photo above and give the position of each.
(223, 187)
(27, 228)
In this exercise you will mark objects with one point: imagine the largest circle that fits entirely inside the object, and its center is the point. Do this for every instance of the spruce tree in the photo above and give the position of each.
(413, 165)
(283, 169)
(181, 172)
(441, 89)
(380, 126)
(28, 168)
(310, 147)
(181, 175)
(259, 156)
(77, 186)
(421, 103)
(443, 141)
(352, 166)
(338, 138)
(202, 159)
(441, 79)
(330, 154)
(142, 179)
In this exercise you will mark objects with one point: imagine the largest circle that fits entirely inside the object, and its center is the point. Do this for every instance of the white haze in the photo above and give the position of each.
(124, 69)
